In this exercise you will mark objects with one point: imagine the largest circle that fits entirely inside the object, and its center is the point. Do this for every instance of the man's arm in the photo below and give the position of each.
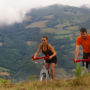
(77, 52)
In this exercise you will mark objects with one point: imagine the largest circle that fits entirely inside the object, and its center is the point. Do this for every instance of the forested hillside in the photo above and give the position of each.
(20, 41)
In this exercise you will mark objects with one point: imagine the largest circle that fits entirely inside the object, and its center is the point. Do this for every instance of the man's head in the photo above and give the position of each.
(83, 32)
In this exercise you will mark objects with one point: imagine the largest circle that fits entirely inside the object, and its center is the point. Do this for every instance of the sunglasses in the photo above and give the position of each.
(43, 40)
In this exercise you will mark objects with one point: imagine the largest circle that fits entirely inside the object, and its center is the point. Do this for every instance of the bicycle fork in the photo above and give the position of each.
(44, 74)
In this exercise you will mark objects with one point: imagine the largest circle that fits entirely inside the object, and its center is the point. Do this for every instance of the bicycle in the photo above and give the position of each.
(43, 73)
(81, 60)
(84, 70)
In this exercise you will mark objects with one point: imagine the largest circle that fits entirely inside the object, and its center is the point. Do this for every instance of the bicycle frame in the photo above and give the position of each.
(81, 60)
(84, 70)
(44, 73)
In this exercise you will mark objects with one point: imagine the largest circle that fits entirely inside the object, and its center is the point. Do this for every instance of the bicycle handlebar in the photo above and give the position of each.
(81, 60)
(37, 58)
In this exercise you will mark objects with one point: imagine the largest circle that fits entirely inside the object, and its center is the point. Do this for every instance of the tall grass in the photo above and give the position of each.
(75, 83)
(78, 70)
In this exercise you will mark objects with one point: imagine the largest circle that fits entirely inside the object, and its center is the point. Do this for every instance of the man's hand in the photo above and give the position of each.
(33, 57)
(75, 59)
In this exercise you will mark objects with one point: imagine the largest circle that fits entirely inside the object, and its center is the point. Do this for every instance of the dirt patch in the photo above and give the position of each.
(40, 24)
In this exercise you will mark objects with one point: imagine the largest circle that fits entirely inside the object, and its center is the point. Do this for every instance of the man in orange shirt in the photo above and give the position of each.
(84, 41)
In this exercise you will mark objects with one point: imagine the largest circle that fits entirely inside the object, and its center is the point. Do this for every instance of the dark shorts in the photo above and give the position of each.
(85, 56)
(53, 60)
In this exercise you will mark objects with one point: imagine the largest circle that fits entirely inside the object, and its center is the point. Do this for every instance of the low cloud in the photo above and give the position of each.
(14, 11)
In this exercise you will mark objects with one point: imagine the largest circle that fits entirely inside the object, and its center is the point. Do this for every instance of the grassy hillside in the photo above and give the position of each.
(69, 84)
(20, 41)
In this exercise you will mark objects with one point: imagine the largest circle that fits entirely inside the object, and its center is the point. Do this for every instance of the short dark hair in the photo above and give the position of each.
(83, 30)
(45, 37)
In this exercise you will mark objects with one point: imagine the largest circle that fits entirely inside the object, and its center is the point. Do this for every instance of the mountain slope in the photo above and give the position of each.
(20, 41)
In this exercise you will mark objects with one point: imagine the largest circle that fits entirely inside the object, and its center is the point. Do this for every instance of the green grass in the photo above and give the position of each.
(62, 36)
(3, 69)
(55, 31)
(63, 32)
(73, 28)
(47, 30)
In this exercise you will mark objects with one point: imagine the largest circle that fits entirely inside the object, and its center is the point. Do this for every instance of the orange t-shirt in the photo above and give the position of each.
(84, 43)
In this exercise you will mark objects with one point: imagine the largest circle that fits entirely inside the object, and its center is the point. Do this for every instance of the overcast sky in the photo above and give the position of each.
(12, 11)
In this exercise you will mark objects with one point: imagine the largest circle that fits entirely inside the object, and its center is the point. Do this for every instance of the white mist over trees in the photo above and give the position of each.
(14, 11)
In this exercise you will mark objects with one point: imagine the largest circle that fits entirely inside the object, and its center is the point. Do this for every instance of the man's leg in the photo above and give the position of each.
(87, 64)
(83, 63)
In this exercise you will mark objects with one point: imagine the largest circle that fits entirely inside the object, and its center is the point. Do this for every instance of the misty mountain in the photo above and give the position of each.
(20, 41)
